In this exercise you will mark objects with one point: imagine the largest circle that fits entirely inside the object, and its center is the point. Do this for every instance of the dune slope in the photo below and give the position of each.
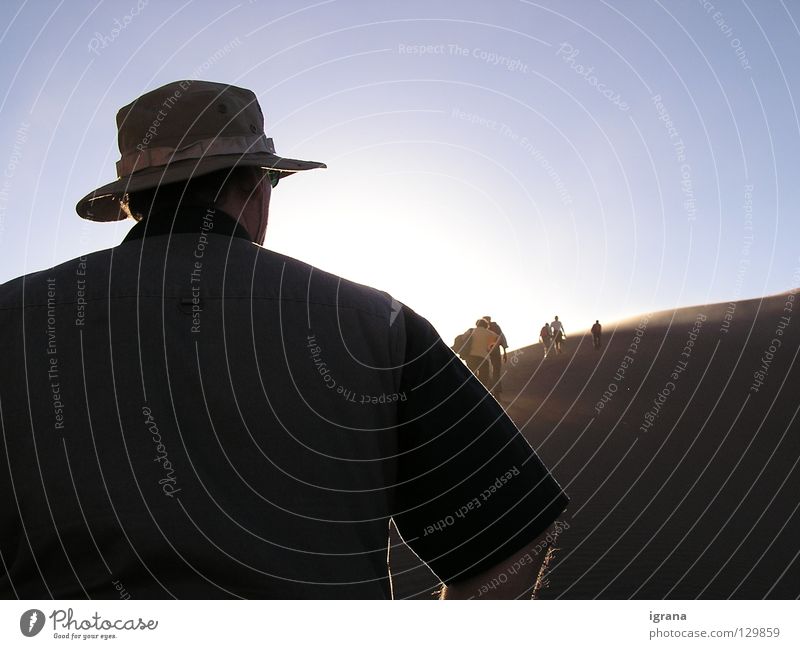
(678, 443)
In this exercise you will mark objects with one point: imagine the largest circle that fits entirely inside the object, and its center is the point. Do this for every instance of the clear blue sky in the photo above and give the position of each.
(507, 158)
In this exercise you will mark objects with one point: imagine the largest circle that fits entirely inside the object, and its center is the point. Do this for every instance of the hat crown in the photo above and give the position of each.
(183, 113)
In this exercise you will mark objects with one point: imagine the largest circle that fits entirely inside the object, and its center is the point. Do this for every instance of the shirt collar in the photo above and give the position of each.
(187, 220)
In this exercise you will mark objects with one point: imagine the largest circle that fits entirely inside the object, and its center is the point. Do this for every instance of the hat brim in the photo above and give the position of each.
(103, 204)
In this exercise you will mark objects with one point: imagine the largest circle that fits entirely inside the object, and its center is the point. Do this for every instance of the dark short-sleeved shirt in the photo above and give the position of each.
(190, 415)
(493, 326)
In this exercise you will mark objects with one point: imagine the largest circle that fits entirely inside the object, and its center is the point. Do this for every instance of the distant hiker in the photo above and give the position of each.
(597, 331)
(495, 354)
(482, 341)
(546, 336)
(559, 335)
(558, 341)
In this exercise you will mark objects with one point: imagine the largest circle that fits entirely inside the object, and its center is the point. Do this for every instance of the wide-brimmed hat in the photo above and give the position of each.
(182, 130)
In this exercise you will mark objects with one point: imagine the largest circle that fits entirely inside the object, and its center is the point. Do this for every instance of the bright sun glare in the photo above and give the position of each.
(438, 242)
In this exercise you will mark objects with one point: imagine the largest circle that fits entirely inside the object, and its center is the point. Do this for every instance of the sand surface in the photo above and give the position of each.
(684, 480)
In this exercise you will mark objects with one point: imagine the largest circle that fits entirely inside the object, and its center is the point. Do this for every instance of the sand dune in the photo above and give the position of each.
(679, 445)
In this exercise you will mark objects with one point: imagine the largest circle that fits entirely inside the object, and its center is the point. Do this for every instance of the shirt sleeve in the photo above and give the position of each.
(470, 489)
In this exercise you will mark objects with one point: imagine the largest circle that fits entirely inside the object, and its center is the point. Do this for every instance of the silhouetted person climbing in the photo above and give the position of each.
(481, 343)
(559, 335)
(597, 332)
(495, 354)
(546, 336)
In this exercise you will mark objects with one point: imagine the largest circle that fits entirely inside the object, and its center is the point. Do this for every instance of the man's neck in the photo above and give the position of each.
(188, 219)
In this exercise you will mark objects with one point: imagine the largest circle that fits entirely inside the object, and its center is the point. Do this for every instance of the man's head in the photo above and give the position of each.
(243, 193)
(173, 139)
(482, 323)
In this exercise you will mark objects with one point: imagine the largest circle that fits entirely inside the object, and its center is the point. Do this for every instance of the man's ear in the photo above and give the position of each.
(252, 177)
